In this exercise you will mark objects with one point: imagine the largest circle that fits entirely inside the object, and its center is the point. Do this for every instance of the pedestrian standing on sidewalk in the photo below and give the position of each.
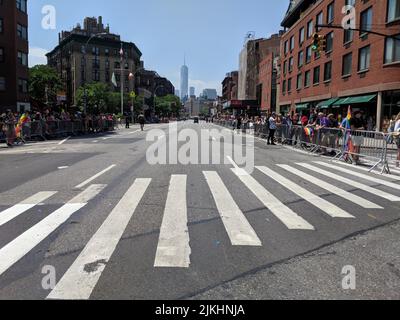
(397, 138)
(10, 128)
(126, 122)
(272, 129)
(141, 121)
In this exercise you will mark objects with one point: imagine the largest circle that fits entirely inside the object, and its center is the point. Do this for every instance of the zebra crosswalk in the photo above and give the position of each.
(173, 248)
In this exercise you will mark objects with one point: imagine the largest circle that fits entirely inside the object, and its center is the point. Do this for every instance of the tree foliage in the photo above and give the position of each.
(44, 83)
(167, 106)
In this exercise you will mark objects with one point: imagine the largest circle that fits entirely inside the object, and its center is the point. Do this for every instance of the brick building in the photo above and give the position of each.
(230, 86)
(14, 51)
(92, 54)
(359, 69)
(268, 83)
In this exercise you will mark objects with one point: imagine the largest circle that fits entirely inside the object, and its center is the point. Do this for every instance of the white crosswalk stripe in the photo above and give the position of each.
(286, 215)
(352, 183)
(331, 188)
(238, 228)
(13, 212)
(389, 176)
(79, 281)
(173, 250)
(19, 247)
(360, 175)
(329, 208)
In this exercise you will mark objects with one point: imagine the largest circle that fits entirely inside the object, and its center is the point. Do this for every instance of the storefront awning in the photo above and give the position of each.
(303, 106)
(327, 104)
(354, 100)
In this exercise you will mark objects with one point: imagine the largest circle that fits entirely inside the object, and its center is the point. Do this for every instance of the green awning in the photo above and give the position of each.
(327, 104)
(303, 106)
(354, 100)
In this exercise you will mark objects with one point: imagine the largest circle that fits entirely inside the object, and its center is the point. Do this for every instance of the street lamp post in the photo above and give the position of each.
(98, 35)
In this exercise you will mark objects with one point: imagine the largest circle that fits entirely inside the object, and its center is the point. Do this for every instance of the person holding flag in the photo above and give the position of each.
(346, 127)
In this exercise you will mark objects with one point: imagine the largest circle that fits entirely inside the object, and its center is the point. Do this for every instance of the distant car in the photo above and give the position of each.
(196, 120)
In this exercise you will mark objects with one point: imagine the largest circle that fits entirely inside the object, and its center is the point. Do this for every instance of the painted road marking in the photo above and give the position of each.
(360, 175)
(79, 281)
(352, 183)
(65, 140)
(84, 183)
(19, 247)
(239, 230)
(329, 208)
(333, 189)
(173, 250)
(286, 215)
(23, 206)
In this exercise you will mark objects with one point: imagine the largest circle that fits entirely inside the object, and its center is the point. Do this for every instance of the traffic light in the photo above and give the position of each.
(319, 43)
(315, 46)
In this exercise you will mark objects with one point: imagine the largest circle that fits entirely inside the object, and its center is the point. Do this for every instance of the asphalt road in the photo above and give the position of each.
(113, 226)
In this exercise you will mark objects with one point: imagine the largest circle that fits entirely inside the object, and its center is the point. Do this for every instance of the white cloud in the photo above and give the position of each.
(37, 56)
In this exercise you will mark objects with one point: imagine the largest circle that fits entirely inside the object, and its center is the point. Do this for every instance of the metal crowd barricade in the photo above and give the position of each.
(392, 153)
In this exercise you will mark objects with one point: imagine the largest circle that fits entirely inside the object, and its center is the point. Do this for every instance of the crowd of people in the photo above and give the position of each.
(315, 121)
(16, 126)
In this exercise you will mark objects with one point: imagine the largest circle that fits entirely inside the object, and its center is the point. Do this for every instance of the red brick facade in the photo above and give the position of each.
(12, 72)
(377, 78)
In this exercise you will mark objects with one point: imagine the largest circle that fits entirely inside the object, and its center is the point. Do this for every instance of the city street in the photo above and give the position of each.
(112, 226)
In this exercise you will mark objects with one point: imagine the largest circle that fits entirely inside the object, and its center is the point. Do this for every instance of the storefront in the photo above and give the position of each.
(390, 107)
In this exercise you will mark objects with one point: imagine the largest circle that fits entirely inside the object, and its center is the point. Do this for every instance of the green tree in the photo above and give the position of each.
(167, 106)
(97, 97)
(44, 83)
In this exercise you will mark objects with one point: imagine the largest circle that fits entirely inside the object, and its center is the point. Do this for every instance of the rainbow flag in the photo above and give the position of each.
(21, 121)
(309, 131)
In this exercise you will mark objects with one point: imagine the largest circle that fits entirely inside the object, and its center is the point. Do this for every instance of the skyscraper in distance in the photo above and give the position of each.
(184, 81)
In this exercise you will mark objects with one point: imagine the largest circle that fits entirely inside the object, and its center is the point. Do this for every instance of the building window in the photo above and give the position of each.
(286, 48)
(289, 85)
(347, 64)
(22, 86)
(393, 10)
(308, 54)
(300, 59)
(1, 25)
(1, 54)
(364, 58)
(329, 42)
(292, 43)
(299, 81)
(284, 86)
(22, 32)
(290, 64)
(328, 71)
(310, 29)
(320, 19)
(2, 84)
(366, 22)
(22, 58)
(348, 36)
(307, 78)
(284, 67)
(21, 5)
(317, 72)
(331, 12)
(301, 35)
(392, 50)
(107, 52)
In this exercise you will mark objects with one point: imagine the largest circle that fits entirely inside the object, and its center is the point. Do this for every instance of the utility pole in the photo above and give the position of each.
(122, 81)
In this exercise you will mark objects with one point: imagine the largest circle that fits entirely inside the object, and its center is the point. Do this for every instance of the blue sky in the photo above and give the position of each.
(209, 32)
